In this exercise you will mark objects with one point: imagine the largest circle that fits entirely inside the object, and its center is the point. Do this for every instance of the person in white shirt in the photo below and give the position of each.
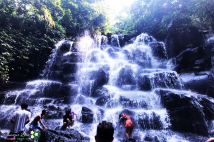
(20, 119)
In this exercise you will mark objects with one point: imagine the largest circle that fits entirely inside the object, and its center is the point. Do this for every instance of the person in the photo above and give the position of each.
(210, 140)
(67, 120)
(71, 113)
(105, 132)
(19, 120)
(128, 125)
(35, 125)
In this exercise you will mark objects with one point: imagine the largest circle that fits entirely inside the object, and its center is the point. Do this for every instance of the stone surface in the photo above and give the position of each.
(87, 115)
(150, 121)
(210, 91)
(158, 50)
(62, 136)
(185, 113)
(102, 100)
(125, 76)
(177, 42)
(144, 82)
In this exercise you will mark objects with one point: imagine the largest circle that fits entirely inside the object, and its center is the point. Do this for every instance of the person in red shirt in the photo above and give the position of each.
(128, 125)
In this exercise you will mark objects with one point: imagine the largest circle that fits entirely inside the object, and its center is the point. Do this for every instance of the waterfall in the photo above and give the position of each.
(109, 80)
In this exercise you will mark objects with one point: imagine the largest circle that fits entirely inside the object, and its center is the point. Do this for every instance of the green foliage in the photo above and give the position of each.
(159, 17)
(30, 28)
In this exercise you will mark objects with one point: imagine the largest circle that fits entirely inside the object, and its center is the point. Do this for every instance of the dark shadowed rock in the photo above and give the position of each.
(208, 108)
(144, 82)
(68, 135)
(177, 42)
(65, 47)
(2, 97)
(69, 68)
(210, 91)
(186, 113)
(100, 80)
(87, 115)
(158, 50)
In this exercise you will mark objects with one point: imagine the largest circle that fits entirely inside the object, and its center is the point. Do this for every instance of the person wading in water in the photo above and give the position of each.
(128, 125)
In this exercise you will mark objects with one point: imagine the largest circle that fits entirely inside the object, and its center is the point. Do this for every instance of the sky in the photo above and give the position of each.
(116, 7)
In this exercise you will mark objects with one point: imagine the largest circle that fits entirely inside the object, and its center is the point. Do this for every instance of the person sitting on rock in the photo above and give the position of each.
(67, 120)
(71, 113)
(105, 132)
(128, 125)
(35, 125)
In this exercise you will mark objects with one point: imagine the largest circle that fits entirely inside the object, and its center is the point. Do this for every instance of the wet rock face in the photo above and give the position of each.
(158, 50)
(193, 60)
(142, 58)
(144, 82)
(153, 137)
(62, 136)
(150, 121)
(167, 79)
(102, 100)
(176, 42)
(100, 80)
(186, 113)
(87, 115)
(208, 108)
(128, 103)
(210, 91)
(125, 77)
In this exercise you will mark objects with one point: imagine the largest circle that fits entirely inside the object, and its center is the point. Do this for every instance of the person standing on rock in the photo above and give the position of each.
(20, 119)
(128, 125)
(105, 132)
(38, 119)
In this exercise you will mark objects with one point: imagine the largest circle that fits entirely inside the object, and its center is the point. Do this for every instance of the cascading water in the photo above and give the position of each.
(106, 79)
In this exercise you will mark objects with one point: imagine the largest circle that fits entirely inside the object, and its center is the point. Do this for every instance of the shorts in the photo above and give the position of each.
(34, 126)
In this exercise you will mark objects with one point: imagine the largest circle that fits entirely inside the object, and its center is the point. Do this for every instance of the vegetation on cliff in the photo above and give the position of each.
(30, 28)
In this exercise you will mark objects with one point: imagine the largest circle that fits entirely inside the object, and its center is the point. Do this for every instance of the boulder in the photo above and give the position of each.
(154, 137)
(125, 76)
(144, 82)
(150, 121)
(55, 75)
(87, 115)
(176, 42)
(158, 50)
(65, 47)
(208, 108)
(2, 98)
(102, 100)
(100, 80)
(128, 103)
(115, 41)
(166, 79)
(142, 58)
(68, 68)
(185, 113)
(102, 91)
(62, 136)
(210, 91)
